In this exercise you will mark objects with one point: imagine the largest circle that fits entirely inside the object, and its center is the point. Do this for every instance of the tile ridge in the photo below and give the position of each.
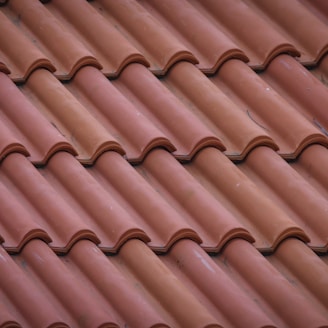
(259, 141)
(32, 234)
(234, 53)
(181, 234)
(13, 147)
(159, 142)
(130, 234)
(313, 139)
(183, 55)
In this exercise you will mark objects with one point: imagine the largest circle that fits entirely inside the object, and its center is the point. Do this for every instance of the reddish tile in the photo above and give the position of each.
(278, 297)
(250, 30)
(304, 204)
(28, 16)
(161, 48)
(209, 45)
(297, 85)
(266, 103)
(206, 214)
(292, 20)
(13, 44)
(17, 117)
(244, 199)
(103, 40)
(117, 115)
(137, 288)
(87, 135)
(38, 210)
(237, 131)
(304, 270)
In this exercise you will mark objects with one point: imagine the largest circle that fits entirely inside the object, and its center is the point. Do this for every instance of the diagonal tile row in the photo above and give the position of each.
(91, 114)
(209, 200)
(184, 288)
(156, 34)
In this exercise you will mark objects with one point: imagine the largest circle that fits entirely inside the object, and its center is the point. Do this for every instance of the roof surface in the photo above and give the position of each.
(164, 163)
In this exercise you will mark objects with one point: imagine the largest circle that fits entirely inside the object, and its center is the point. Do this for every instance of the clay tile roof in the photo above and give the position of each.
(163, 163)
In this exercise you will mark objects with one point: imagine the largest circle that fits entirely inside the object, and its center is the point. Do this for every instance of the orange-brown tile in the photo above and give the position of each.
(37, 208)
(304, 204)
(292, 20)
(137, 121)
(161, 47)
(279, 298)
(238, 133)
(266, 105)
(87, 135)
(244, 200)
(46, 32)
(24, 129)
(162, 223)
(13, 45)
(305, 270)
(209, 45)
(206, 214)
(103, 40)
(300, 88)
(250, 31)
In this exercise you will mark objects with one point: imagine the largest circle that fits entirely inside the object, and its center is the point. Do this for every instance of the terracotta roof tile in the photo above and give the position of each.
(291, 192)
(260, 288)
(13, 44)
(100, 38)
(163, 164)
(16, 118)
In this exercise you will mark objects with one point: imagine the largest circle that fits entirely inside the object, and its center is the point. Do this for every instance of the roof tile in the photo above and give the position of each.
(163, 164)
(13, 44)
(87, 135)
(17, 117)
(305, 205)
(77, 16)
(161, 48)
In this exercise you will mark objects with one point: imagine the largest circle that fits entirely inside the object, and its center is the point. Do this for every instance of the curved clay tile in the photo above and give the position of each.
(270, 288)
(66, 52)
(17, 224)
(99, 211)
(18, 116)
(214, 287)
(88, 137)
(65, 293)
(47, 213)
(318, 7)
(238, 133)
(125, 121)
(140, 28)
(206, 42)
(305, 205)
(266, 107)
(166, 112)
(141, 201)
(205, 214)
(9, 143)
(161, 283)
(103, 40)
(4, 68)
(300, 88)
(308, 272)
(13, 45)
(22, 296)
(292, 20)
(103, 276)
(247, 29)
(241, 197)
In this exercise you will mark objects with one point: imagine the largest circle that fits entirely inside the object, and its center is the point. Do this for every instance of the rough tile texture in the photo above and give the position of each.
(163, 163)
